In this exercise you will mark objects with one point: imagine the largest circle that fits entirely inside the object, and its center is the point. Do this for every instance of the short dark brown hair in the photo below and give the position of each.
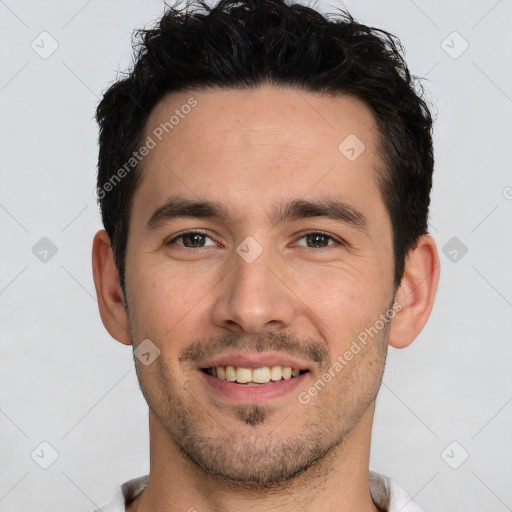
(246, 43)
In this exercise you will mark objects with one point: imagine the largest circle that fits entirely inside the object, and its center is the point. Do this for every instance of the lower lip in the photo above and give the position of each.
(253, 393)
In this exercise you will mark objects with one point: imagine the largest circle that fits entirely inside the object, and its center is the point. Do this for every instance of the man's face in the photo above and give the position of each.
(260, 285)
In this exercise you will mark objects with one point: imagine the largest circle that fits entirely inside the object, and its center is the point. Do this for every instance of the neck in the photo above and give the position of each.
(339, 481)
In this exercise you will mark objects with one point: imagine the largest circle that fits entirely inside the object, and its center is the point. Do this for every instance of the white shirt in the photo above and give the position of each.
(386, 494)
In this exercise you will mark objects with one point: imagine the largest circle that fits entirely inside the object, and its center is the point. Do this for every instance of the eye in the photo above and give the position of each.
(317, 240)
(192, 240)
(197, 239)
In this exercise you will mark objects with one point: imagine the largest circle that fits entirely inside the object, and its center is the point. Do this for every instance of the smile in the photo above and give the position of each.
(248, 376)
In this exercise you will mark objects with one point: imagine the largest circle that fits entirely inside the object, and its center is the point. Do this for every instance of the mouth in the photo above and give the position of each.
(254, 376)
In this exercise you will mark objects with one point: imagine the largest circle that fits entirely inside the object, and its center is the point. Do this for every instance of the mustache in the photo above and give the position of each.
(278, 341)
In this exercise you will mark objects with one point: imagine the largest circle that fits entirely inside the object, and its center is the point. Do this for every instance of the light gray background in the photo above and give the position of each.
(66, 382)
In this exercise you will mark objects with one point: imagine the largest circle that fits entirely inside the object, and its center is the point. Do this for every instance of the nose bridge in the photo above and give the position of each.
(253, 294)
(252, 277)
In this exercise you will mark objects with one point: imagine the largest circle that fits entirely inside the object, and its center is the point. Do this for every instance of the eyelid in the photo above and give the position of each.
(336, 239)
(174, 237)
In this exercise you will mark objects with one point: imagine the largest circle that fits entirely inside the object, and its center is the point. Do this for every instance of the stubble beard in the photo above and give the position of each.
(258, 454)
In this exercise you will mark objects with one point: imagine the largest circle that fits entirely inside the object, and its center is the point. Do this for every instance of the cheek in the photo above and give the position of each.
(342, 308)
(164, 298)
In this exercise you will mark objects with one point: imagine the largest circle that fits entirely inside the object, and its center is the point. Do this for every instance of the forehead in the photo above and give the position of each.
(254, 146)
(250, 116)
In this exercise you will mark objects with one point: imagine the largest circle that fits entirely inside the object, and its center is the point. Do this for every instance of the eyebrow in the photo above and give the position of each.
(336, 210)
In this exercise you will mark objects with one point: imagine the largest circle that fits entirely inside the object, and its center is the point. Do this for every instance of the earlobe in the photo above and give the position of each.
(416, 293)
(111, 301)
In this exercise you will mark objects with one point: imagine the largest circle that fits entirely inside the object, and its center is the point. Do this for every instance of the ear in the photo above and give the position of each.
(108, 289)
(416, 293)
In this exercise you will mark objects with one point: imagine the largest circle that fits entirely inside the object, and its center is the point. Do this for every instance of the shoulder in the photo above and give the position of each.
(389, 495)
(125, 495)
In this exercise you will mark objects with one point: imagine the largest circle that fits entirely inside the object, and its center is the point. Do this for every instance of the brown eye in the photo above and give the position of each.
(317, 240)
(192, 240)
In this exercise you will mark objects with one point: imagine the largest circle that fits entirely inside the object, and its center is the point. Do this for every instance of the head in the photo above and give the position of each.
(297, 149)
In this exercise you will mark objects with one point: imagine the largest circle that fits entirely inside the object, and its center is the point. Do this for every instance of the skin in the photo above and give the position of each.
(251, 150)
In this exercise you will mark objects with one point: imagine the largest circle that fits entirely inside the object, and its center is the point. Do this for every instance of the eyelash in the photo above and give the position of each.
(314, 232)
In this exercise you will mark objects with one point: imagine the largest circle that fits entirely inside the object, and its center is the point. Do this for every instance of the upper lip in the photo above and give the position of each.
(254, 360)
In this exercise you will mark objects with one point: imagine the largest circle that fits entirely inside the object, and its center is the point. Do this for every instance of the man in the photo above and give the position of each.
(264, 179)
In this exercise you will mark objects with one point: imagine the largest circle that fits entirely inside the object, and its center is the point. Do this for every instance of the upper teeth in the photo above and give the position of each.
(259, 375)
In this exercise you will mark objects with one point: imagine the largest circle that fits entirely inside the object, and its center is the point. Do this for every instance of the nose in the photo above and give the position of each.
(254, 297)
